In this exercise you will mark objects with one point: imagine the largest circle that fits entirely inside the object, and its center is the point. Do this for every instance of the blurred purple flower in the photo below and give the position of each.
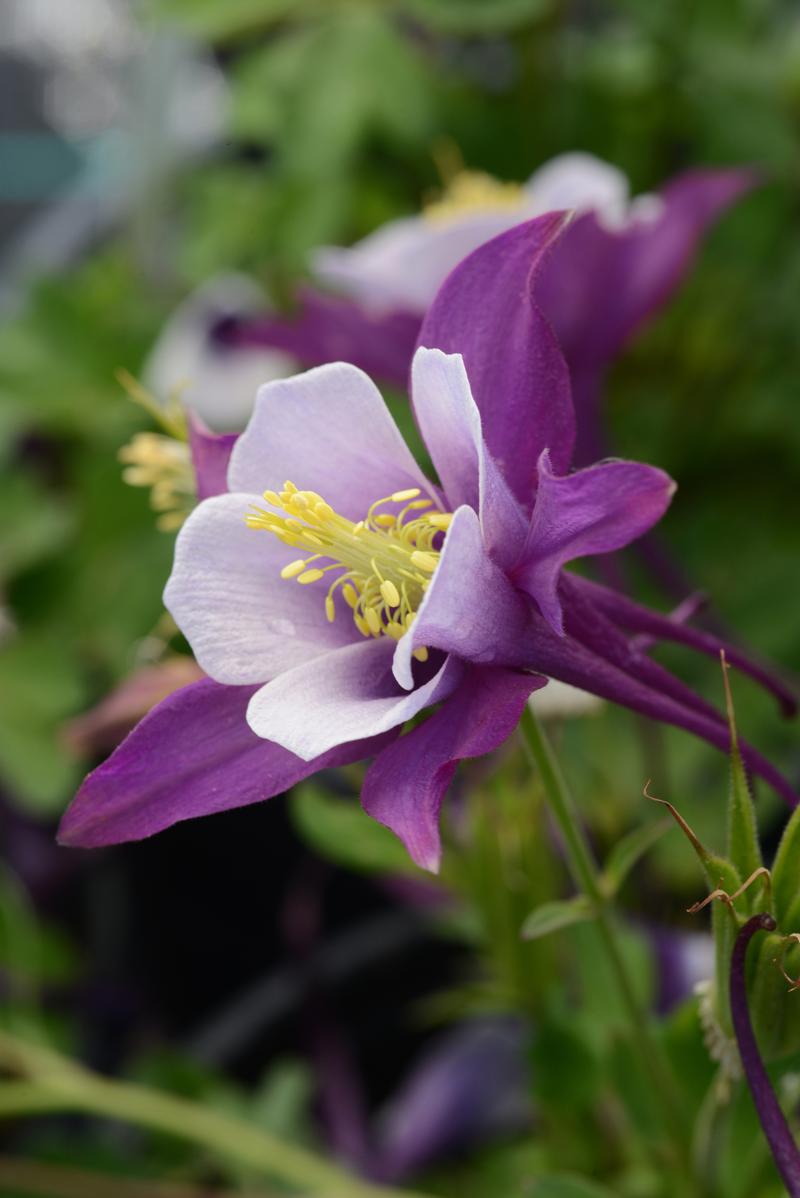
(614, 268)
(454, 596)
(470, 1086)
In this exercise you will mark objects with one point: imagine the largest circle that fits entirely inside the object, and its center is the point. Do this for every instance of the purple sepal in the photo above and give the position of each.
(595, 510)
(192, 755)
(328, 328)
(472, 1085)
(772, 1119)
(597, 657)
(634, 617)
(211, 453)
(484, 310)
(406, 783)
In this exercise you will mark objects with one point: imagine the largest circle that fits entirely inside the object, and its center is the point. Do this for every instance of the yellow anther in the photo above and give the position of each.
(390, 593)
(421, 654)
(440, 519)
(373, 621)
(382, 564)
(294, 568)
(425, 561)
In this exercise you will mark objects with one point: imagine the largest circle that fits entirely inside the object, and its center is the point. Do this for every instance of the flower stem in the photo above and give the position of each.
(50, 1082)
(586, 875)
(771, 1117)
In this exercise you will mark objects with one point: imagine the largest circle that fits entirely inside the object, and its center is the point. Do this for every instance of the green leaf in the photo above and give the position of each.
(476, 16)
(743, 847)
(628, 851)
(552, 917)
(568, 1185)
(786, 877)
(340, 830)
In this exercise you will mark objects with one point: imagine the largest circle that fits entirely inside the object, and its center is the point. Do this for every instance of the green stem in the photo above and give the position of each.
(54, 1083)
(586, 875)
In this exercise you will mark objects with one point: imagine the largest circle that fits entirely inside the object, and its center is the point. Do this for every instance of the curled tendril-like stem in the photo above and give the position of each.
(730, 899)
(794, 938)
(773, 1121)
(695, 842)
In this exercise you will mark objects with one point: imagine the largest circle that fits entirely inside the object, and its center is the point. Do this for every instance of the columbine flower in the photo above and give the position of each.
(335, 592)
(616, 265)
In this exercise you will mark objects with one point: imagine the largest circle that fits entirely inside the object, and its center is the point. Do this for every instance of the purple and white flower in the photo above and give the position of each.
(335, 592)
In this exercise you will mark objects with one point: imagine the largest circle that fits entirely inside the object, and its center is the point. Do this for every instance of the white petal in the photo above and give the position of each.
(243, 621)
(347, 695)
(327, 430)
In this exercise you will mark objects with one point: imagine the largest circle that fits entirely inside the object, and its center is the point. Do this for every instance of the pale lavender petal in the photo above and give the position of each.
(403, 263)
(243, 621)
(470, 608)
(591, 511)
(192, 755)
(330, 328)
(327, 430)
(471, 1085)
(450, 424)
(345, 695)
(211, 453)
(485, 311)
(599, 285)
(405, 786)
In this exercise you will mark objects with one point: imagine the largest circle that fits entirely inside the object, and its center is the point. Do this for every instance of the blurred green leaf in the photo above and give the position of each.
(39, 689)
(30, 952)
(552, 917)
(568, 1185)
(476, 16)
(340, 830)
(219, 20)
(628, 851)
(35, 522)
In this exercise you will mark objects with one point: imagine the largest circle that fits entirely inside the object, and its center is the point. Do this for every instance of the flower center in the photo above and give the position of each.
(473, 191)
(382, 564)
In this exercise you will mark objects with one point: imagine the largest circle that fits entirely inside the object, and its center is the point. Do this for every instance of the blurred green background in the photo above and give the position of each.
(243, 134)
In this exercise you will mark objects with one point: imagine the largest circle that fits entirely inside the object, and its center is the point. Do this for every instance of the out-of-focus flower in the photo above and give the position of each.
(617, 264)
(469, 1087)
(191, 361)
(409, 594)
(404, 263)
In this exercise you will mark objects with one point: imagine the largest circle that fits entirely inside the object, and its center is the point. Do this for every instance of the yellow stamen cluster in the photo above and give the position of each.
(383, 563)
(473, 191)
(164, 465)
